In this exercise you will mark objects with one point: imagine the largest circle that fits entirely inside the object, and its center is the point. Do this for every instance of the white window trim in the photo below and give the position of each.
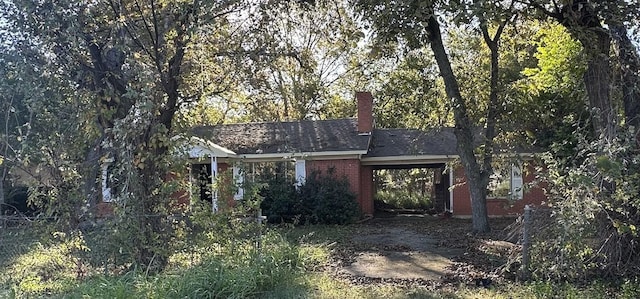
(516, 183)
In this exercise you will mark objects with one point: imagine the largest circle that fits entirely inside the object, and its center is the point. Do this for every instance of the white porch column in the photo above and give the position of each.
(104, 179)
(451, 188)
(214, 189)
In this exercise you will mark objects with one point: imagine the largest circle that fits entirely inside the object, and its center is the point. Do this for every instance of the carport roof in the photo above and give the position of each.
(411, 142)
(435, 142)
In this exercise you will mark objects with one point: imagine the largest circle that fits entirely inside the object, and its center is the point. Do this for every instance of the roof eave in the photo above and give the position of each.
(201, 148)
(408, 159)
(328, 155)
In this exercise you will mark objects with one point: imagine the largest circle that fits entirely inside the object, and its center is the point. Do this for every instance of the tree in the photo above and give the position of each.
(552, 91)
(585, 21)
(132, 60)
(12, 120)
(45, 130)
(305, 57)
(592, 181)
(417, 23)
(411, 95)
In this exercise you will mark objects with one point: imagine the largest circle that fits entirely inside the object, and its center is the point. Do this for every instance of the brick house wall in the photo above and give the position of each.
(367, 190)
(496, 207)
(225, 195)
(359, 180)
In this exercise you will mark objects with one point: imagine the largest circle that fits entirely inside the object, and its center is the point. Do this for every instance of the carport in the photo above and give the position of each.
(411, 149)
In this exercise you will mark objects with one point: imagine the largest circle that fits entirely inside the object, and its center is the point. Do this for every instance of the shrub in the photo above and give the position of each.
(280, 203)
(323, 198)
(327, 199)
(594, 225)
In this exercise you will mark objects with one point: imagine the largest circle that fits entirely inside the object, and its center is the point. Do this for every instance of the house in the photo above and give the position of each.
(354, 148)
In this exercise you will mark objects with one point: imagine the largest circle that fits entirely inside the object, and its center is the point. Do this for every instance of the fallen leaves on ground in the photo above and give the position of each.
(485, 259)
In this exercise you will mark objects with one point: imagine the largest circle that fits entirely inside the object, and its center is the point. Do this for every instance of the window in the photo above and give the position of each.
(506, 181)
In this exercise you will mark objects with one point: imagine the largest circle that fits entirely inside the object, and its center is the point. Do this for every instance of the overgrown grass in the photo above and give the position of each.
(59, 268)
(292, 262)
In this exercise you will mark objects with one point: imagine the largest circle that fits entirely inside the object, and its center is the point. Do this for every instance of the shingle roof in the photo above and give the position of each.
(436, 141)
(410, 142)
(287, 137)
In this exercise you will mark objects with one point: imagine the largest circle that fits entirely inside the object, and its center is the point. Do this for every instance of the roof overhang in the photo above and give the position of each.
(407, 160)
(326, 155)
(201, 148)
(426, 159)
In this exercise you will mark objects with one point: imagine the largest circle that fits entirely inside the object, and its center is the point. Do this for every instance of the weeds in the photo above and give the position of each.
(293, 262)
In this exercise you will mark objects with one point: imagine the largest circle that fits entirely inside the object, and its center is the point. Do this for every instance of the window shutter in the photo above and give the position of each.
(301, 172)
(106, 190)
(516, 181)
(239, 180)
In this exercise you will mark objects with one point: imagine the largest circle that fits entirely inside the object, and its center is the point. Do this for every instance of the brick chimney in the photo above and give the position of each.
(365, 112)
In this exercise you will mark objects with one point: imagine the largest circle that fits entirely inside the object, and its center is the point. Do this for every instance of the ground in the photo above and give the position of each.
(430, 249)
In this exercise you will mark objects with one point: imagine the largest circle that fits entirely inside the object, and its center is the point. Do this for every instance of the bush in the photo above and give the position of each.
(280, 203)
(595, 197)
(322, 199)
(327, 199)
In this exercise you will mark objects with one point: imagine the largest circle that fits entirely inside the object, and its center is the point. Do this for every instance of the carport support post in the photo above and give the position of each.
(526, 243)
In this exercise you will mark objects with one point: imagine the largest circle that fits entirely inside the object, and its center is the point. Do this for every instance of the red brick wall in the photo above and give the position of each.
(104, 209)
(351, 169)
(499, 206)
(181, 196)
(366, 190)
(225, 195)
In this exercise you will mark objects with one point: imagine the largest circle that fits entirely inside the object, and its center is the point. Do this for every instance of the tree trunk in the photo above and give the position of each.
(597, 79)
(478, 190)
(2, 198)
(629, 64)
(463, 131)
(582, 21)
(91, 166)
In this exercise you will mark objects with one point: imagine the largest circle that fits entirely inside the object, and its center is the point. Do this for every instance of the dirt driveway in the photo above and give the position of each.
(423, 247)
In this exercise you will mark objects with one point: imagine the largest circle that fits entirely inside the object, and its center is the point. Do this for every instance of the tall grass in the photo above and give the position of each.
(290, 263)
(241, 269)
